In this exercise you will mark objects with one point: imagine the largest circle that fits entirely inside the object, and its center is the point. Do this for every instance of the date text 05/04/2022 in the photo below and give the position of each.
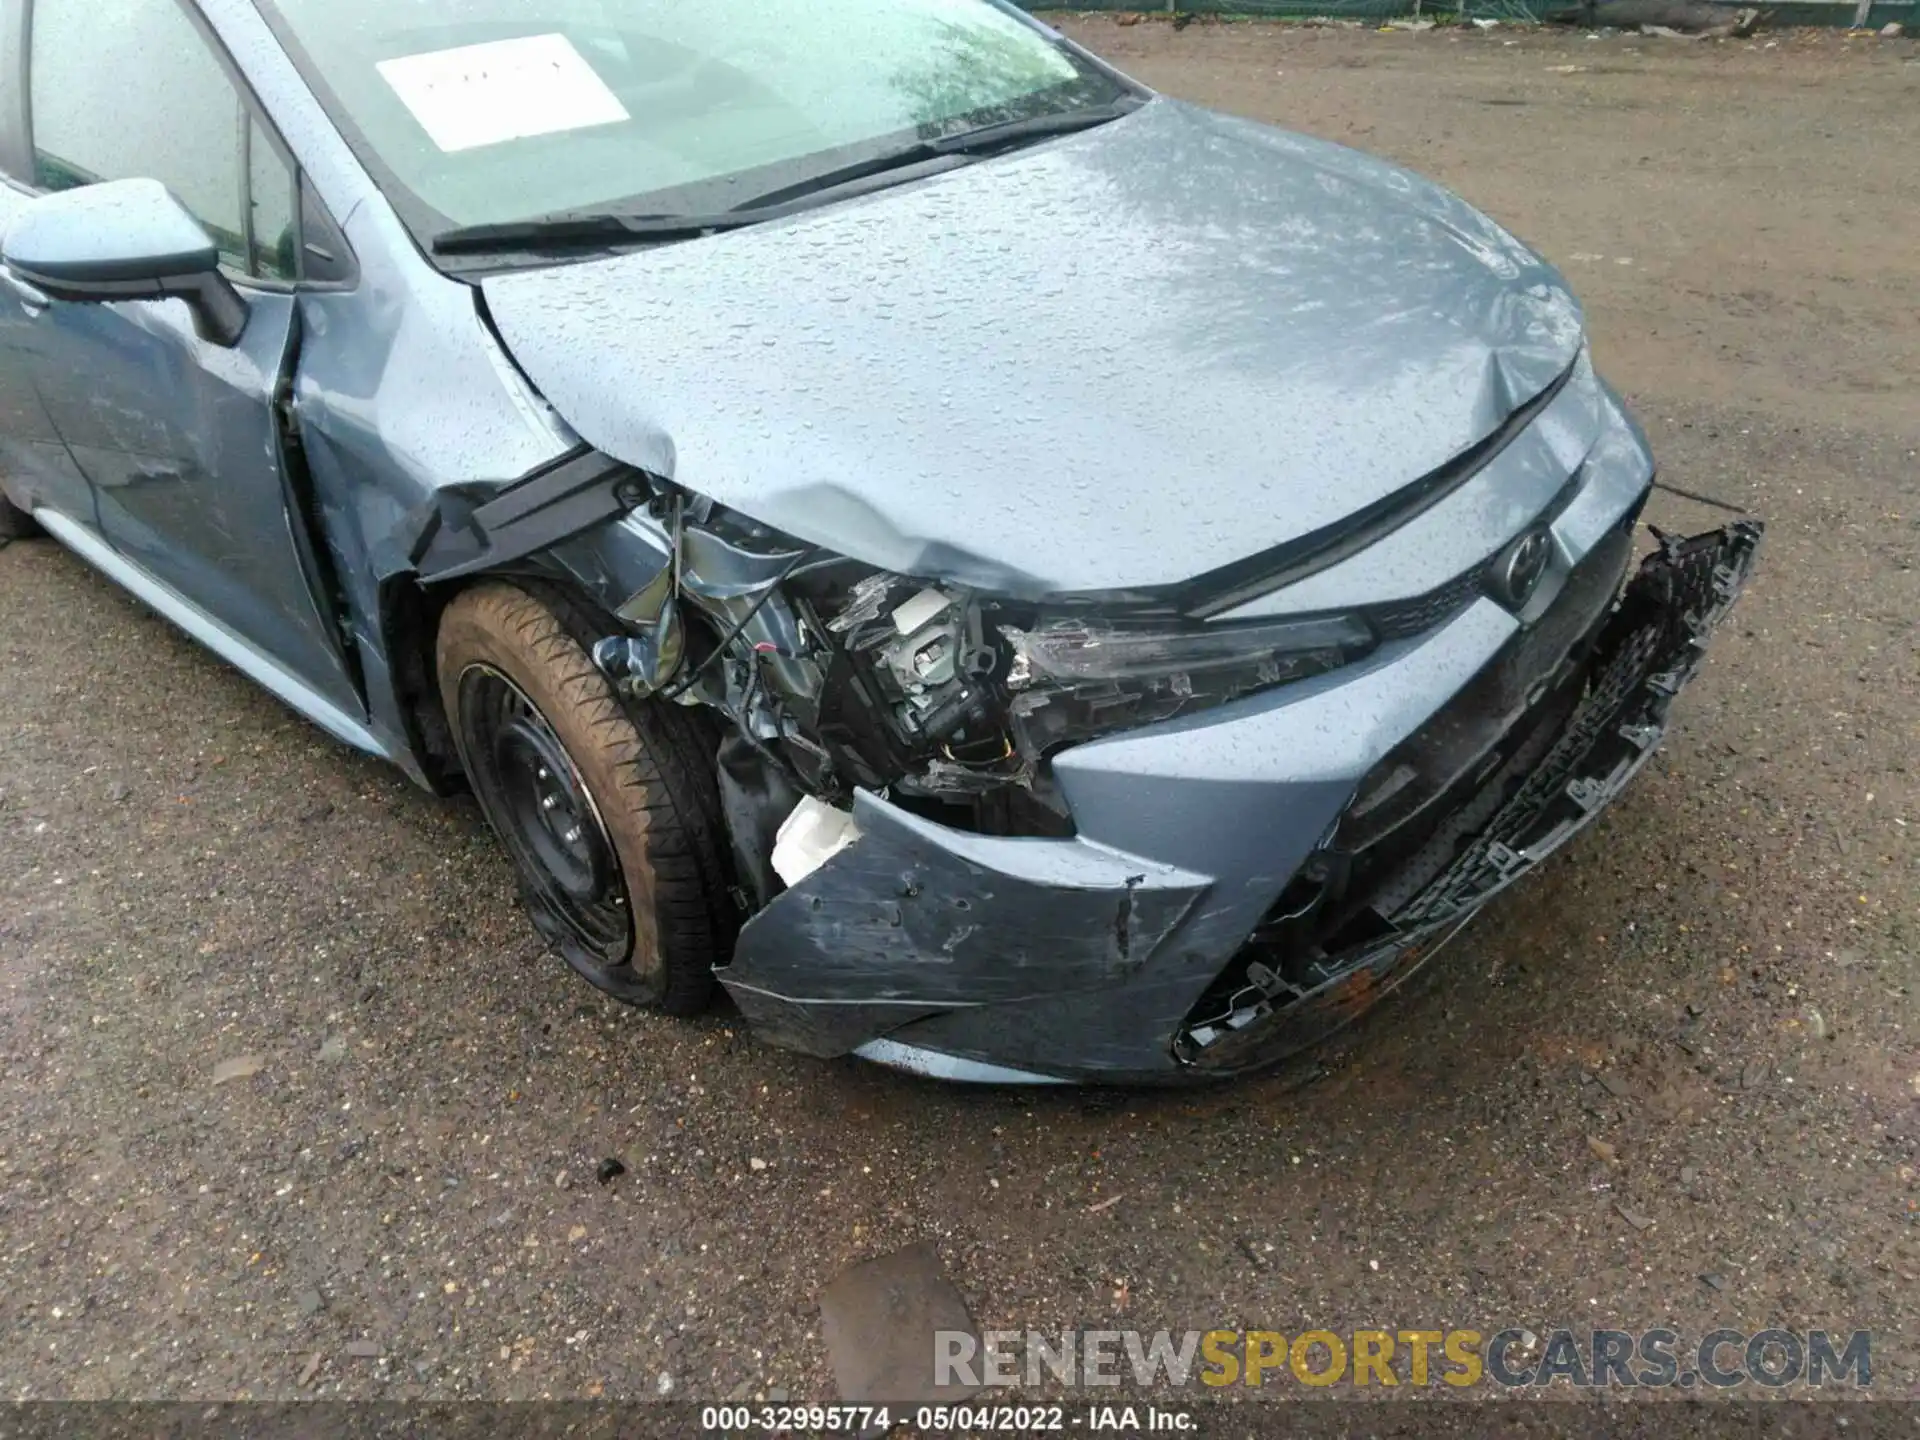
(947, 1419)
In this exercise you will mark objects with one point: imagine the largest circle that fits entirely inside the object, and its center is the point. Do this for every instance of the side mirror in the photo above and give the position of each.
(124, 240)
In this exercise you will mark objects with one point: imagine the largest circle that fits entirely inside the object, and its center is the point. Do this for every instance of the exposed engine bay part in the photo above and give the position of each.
(834, 677)
(810, 836)
(643, 662)
(754, 796)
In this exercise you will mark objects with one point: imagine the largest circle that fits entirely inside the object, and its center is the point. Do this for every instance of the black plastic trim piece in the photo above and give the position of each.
(544, 507)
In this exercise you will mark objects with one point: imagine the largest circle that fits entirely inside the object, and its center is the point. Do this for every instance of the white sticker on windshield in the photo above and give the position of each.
(503, 90)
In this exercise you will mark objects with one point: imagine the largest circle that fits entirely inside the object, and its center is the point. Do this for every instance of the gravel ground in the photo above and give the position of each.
(291, 1102)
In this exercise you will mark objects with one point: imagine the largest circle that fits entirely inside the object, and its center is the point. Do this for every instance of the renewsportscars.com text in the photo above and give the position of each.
(1512, 1357)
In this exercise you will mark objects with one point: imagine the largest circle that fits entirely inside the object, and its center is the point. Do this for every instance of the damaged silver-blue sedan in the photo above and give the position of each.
(1010, 575)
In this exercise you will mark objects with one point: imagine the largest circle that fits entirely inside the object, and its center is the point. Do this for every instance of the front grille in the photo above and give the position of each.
(1466, 732)
(1404, 619)
(1407, 618)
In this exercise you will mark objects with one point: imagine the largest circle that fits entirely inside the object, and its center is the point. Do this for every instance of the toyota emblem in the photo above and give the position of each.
(1517, 569)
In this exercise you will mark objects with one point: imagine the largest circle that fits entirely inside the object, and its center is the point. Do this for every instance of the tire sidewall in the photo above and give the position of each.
(582, 709)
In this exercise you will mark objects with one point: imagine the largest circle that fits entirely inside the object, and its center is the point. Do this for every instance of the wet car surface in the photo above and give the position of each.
(194, 876)
(798, 622)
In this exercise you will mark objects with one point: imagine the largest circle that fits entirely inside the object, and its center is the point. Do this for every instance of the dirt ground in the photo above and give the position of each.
(1715, 987)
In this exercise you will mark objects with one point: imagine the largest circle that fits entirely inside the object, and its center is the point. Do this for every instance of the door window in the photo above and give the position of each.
(123, 89)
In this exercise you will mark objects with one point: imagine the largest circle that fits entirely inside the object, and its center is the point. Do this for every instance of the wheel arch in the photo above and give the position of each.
(410, 613)
(409, 625)
(575, 530)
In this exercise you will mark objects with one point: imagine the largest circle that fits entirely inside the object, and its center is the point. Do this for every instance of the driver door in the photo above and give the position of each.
(181, 438)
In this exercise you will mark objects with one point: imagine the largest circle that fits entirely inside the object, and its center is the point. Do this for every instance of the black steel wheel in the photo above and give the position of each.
(546, 816)
(608, 809)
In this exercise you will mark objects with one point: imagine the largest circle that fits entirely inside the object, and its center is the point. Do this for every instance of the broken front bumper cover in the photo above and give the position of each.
(975, 957)
(1652, 646)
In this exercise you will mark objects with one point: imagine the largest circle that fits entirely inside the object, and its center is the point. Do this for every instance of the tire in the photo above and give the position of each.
(609, 809)
(15, 523)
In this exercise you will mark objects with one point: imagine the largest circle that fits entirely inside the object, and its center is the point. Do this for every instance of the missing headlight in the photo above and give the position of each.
(920, 659)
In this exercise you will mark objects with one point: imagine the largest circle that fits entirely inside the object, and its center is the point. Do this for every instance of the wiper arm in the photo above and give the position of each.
(1034, 127)
(921, 152)
(962, 145)
(585, 229)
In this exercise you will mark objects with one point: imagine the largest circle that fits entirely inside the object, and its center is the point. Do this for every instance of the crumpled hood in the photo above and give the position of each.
(1115, 360)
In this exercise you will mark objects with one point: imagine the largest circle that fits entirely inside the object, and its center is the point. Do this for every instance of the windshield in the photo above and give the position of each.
(473, 112)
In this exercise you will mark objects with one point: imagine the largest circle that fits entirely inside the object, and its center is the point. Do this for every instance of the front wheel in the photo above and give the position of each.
(609, 810)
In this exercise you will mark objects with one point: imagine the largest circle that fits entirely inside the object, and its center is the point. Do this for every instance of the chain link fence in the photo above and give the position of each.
(1523, 12)
(1264, 9)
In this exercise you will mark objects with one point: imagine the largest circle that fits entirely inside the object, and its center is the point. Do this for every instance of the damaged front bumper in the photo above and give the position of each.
(1223, 904)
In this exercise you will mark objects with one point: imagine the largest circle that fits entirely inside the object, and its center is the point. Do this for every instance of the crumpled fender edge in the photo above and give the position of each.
(581, 489)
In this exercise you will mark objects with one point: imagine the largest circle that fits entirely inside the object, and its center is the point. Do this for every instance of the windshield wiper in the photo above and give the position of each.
(615, 228)
(605, 227)
(1033, 127)
(959, 146)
